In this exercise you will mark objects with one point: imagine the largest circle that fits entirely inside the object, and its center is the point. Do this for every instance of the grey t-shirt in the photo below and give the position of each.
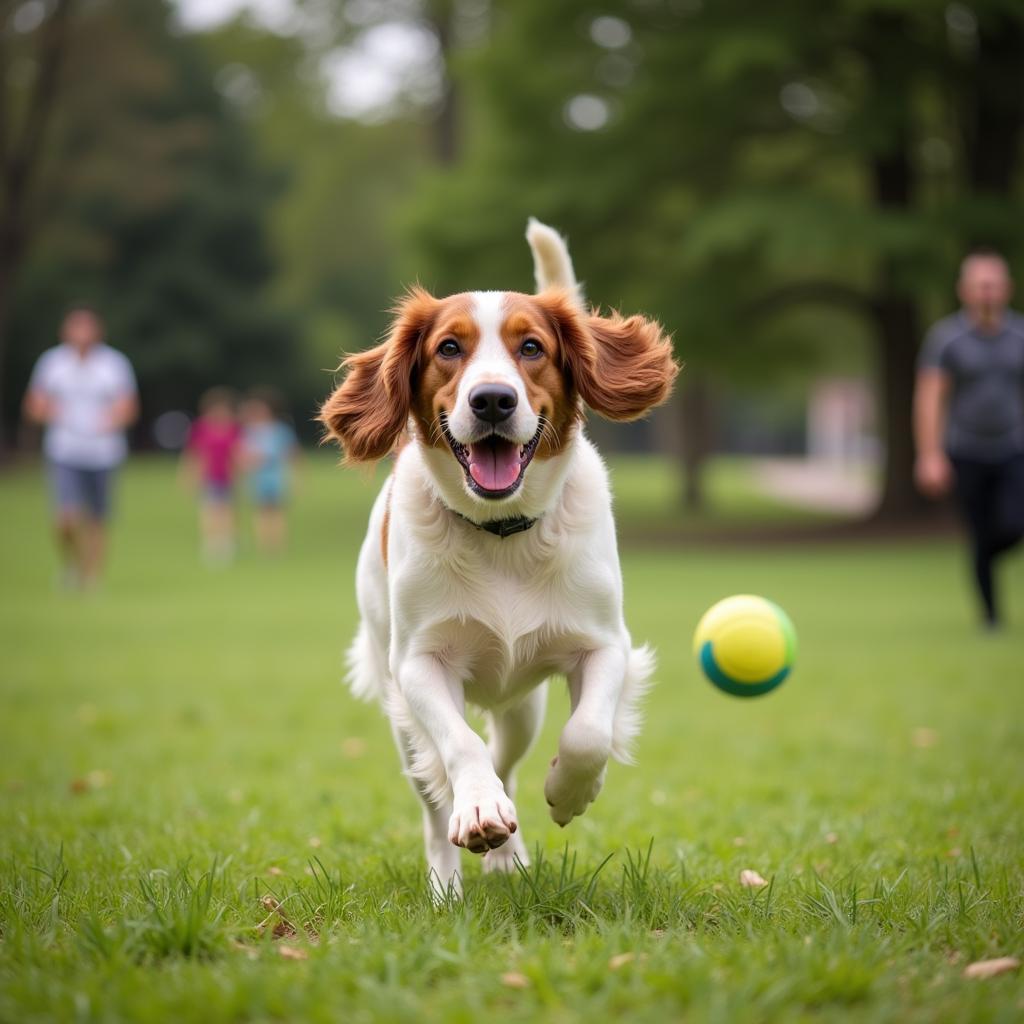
(986, 411)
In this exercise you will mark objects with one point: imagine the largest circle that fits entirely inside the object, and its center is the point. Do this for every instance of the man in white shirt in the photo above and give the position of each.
(83, 392)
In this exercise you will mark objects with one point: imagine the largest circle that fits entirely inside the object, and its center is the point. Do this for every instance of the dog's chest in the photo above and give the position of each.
(506, 627)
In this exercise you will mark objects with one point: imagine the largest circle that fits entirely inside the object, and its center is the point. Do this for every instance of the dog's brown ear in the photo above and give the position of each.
(622, 367)
(368, 411)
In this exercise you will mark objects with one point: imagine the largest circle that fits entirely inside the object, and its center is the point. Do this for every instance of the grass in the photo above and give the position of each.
(198, 823)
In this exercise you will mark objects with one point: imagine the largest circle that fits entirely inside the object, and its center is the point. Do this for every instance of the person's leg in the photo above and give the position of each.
(1009, 505)
(271, 527)
(975, 489)
(97, 485)
(66, 490)
(217, 524)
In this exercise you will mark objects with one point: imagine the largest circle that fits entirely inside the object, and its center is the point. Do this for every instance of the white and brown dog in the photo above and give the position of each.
(490, 563)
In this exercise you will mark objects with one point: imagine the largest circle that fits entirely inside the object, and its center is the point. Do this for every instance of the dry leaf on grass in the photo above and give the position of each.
(620, 960)
(283, 928)
(924, 737)
(751, 879)
(991, 968)
(353, 747)
(513, 979)
(293, 952)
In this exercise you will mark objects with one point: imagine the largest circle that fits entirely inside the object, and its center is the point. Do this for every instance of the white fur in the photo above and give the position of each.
(491, 364)
(459, 615)
(552, 265)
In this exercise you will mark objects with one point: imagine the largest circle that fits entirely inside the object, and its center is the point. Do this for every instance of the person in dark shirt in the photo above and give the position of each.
(969, 415)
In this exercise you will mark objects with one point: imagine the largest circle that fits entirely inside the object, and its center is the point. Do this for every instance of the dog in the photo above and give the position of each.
(490, 563)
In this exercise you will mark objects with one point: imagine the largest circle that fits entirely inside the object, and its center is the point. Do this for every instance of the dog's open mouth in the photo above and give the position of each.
(494, 465)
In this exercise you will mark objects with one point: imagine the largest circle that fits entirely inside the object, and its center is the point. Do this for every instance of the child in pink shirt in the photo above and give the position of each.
(211, 456)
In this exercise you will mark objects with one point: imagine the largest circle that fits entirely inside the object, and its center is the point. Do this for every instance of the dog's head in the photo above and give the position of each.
(497, 380)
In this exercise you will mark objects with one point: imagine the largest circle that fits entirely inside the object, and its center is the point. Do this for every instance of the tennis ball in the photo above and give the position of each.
(745, 645)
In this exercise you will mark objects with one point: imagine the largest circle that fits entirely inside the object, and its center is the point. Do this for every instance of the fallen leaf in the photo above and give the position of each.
(991, 968)
(353, 747)
(751, 879)
(513, 979)
(620, 960)
(293, 952)
(924, 737)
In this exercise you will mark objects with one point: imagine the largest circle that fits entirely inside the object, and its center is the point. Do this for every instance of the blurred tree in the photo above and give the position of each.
(720, 164)
(154, 212)
(33, 46)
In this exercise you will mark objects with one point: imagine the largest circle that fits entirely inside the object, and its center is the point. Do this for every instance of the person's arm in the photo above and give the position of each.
(932, 470)
(124, 411)
(39, 408)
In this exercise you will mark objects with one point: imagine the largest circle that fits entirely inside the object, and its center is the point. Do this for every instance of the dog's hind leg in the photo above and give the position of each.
(512, 732)
(443, 859)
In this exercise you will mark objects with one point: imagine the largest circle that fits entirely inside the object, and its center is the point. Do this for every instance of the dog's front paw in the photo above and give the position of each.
(570, 790)
(482, 821)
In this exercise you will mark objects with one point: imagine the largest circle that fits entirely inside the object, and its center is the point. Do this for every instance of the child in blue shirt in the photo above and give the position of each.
(270, 448)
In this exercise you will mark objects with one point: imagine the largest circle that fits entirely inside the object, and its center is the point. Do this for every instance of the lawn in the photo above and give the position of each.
(199, 823)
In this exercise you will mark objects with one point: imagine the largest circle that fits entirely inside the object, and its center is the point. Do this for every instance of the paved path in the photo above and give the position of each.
(819, 484)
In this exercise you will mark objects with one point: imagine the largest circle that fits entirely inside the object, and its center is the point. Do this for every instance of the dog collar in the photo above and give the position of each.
(501, 527)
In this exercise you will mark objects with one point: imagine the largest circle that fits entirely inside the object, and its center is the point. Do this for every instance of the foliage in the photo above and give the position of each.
(156, 216)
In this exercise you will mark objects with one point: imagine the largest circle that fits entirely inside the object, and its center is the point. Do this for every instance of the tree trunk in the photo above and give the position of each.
(446, 127)
(21, 157)
(897, 326)
(897, 331)
(695, 418)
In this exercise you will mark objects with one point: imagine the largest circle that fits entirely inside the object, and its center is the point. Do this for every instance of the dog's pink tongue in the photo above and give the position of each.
(494, 464)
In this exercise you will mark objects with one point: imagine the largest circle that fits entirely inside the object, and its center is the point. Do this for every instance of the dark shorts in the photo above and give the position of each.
(78, 490)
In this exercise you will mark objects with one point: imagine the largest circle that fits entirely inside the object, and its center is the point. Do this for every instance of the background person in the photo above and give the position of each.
(210, 463)
(83, 392)
(969, 415)
(270, 449)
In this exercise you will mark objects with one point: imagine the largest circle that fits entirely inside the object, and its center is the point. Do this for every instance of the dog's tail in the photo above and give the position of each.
(628, 714)
(552, 265)
(365, 668)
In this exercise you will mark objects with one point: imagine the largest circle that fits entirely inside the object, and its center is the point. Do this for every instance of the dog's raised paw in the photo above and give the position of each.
(482, 823)
(570, 793)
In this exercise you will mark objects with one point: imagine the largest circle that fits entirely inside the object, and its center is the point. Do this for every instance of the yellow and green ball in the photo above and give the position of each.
(745, 645)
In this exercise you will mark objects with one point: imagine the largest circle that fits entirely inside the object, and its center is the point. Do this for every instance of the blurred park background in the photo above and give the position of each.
(242, 188)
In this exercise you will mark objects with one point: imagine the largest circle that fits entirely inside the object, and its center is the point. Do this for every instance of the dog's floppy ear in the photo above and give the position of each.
(368, 411)
(622, 367)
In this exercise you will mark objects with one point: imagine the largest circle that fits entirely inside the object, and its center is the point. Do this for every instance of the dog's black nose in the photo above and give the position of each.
(493, 403)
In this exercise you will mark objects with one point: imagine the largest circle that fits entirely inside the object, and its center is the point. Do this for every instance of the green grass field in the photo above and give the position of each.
(179, 758)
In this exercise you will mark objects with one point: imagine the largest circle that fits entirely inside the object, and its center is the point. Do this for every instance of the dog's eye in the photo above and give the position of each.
(531, 348)
(449, 348)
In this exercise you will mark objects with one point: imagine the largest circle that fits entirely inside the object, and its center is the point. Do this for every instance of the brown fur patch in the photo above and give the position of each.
(548, 388)
(439, 378)
(368, 411)
(385, 527)
(622, 367)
